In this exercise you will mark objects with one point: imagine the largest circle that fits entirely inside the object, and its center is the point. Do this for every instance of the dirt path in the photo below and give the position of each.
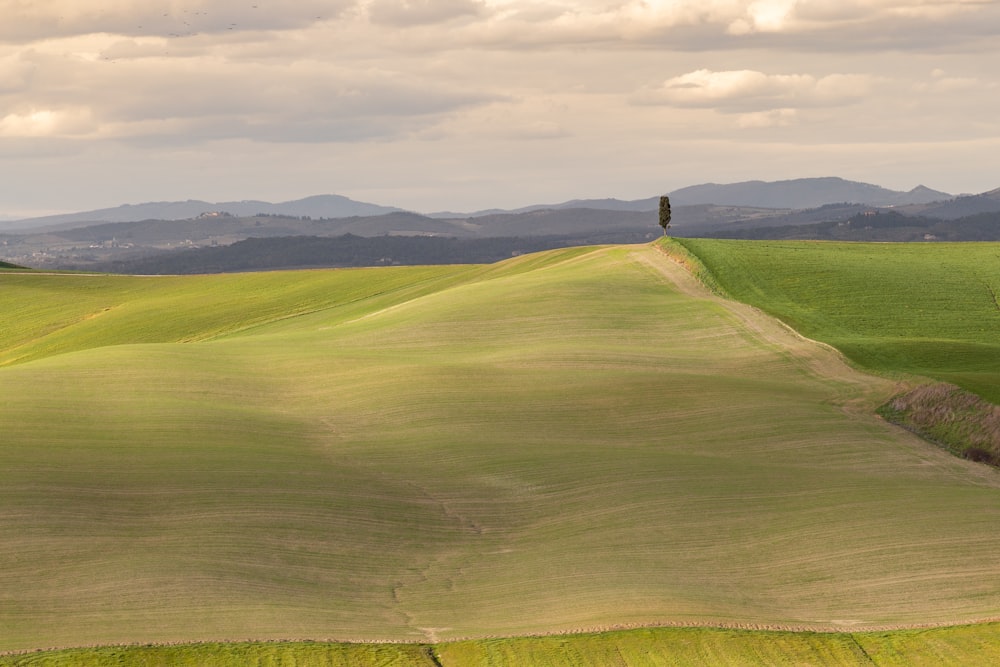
(814, 356)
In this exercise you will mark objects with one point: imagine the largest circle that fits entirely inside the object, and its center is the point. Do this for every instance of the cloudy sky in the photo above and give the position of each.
(468, 104)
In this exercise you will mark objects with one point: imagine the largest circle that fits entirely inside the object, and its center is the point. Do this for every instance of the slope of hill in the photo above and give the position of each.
(925, 309)
(577, 439)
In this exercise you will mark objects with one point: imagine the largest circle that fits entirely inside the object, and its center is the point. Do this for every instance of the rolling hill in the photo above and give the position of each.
(575, 439)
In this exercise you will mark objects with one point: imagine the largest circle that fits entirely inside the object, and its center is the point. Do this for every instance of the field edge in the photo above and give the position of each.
(936, 644)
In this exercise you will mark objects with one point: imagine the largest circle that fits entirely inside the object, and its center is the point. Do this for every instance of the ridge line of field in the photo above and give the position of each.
(305, 313)
(395, 306)
(714, 290)
(830, 364)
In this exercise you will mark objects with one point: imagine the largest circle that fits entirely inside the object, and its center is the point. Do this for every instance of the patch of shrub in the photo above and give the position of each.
(980, 455)
(960, 421)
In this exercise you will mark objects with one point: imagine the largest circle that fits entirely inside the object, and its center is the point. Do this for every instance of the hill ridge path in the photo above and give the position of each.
(861, 391)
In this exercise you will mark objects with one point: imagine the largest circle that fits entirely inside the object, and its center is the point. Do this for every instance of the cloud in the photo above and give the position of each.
(486, 90)
(704, 24)
(15, 74)
(747, 90)
(400, 13)
(30, 21)
(764, 16)
(942, 83)
(41, 123)
(680, 24)
(771, 118)
(130, 90)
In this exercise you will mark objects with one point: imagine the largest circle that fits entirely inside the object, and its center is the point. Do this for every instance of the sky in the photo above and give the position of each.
(463, 105)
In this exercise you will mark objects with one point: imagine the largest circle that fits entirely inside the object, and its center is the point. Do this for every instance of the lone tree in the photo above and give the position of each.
(665, 213)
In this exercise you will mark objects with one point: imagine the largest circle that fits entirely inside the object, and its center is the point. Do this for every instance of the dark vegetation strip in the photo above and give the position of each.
(993, 294)
(955, 419)
(433, 656)
(861, 649)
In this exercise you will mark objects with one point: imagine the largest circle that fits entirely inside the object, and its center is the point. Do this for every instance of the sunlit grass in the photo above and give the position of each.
(563, 441)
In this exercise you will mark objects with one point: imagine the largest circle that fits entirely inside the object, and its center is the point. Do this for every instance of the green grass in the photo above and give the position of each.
(673, 647)
(925, 309)
(235, 654)
(677, 647)
(54, 314)
(577, 439)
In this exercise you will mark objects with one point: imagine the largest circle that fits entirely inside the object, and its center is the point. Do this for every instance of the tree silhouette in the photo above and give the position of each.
(665, 213)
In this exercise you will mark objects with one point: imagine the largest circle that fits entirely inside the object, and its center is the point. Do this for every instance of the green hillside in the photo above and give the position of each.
(924, 308)
(677, 647)
(578, 439)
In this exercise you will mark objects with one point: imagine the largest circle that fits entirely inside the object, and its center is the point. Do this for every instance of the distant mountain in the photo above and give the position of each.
(802, 193)
(885, 225)
(319, 206)
(611, 204)
(798, 194)
(960, 207)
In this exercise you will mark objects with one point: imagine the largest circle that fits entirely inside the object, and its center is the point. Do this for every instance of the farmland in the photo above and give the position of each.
(920, 308)
(579, 439)
(675, 647)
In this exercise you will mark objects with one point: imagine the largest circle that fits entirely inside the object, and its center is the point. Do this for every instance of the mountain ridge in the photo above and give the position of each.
(328, 205)
(800, 193)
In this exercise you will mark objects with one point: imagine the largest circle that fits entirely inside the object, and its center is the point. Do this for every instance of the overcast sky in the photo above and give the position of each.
(469, 104)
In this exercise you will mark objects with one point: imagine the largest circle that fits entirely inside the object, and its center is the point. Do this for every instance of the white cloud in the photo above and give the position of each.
(700, 24)
(764, 16)
(744, 90)
(39, 123)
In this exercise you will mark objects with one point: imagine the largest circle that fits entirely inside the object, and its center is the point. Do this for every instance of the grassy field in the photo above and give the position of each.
(674, 647)
(578, 439)
(929, 309)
